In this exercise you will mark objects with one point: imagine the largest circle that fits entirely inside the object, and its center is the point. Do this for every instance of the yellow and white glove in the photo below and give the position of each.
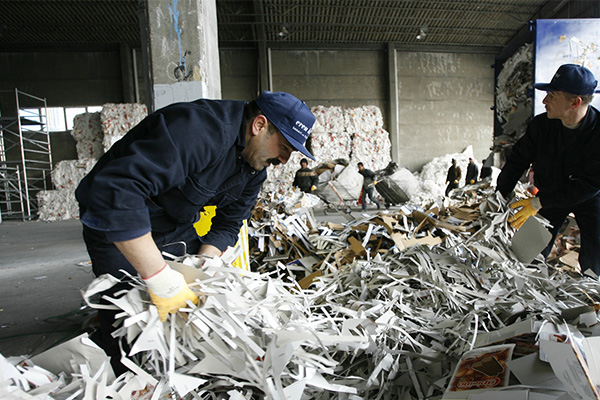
(529, 208)
(456, 181)
(313, 188)
(472, 181)
(169, 292)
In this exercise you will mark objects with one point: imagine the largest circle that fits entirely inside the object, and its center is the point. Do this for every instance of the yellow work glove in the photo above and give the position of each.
(529, 207)
(169, 292)
(313, 188)
(472, 181)
(374, 182)
(456, 181)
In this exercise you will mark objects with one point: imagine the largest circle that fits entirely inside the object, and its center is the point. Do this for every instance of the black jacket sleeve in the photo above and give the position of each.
(566, 162)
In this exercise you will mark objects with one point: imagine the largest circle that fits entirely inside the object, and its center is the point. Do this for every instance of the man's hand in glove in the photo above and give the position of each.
(456, 181)
(313, 188)
(169, 292)
(472, 181)
(529, 207)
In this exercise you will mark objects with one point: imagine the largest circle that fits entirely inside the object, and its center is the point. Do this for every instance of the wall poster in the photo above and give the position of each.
(565, 41)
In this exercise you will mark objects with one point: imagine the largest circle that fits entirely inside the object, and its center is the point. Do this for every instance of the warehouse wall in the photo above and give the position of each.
(444, 102)
(445, 98)
(64, 78)
(327, 78)
(332, 78)
(239, 74)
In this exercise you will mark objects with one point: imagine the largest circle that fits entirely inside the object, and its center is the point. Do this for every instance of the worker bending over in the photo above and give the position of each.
(563, 145)
(147, 191)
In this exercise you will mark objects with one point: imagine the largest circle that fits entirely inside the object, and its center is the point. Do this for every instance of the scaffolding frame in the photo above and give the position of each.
(25, 157)
(11, 201)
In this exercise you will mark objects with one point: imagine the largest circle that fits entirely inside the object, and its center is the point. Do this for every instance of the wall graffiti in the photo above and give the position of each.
(181, 71)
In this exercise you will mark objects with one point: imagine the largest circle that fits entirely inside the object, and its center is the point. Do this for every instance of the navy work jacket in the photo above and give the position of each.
(166, 169)
(566, 162)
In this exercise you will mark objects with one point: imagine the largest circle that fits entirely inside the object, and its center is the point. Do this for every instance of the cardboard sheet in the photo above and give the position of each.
(529, 241)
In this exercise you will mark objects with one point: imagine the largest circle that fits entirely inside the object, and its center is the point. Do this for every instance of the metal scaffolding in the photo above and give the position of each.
(25, 157)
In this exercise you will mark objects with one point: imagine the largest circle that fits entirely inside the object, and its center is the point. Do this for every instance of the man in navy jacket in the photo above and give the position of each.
(563, 145)
(147, 191)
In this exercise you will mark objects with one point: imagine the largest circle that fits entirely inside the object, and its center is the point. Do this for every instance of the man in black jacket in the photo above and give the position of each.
(147, 191)
(563, 144)
(452, 177)
(306, 179)
(472, 172)
(368, 186)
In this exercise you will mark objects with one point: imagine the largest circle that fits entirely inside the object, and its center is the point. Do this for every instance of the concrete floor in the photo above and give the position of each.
(44, 266)
(42, 277)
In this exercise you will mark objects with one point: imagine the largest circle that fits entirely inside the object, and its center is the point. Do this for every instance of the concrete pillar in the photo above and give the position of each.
(264, 53)
(182, 51)
(393, 102)
(127, 74)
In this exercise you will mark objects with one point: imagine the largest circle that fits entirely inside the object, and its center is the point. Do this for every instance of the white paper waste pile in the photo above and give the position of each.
(94, 133)
(430, 182)
(392, 304)
(353, 134)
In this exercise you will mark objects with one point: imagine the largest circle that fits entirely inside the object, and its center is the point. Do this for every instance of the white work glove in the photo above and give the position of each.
(169, 292)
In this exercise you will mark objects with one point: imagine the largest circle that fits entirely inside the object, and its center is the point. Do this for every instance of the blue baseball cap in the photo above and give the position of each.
(571, 78)
(291, 116)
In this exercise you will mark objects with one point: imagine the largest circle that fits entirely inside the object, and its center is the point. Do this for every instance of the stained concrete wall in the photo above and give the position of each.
(329, 78)
(183, 51)
(332, 78)
(444, 105)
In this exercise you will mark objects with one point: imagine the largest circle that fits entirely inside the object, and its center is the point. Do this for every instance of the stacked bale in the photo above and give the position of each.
(94, 134)
(352, 134)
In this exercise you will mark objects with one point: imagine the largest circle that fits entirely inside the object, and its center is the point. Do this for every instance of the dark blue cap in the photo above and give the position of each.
(571, 78)
(291, 116)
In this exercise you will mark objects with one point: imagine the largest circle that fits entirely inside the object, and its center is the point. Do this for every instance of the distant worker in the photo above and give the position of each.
(472, 172)
(306, 179)
(453, 177)
(564, 145)
(369, 183)
(486, 167)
